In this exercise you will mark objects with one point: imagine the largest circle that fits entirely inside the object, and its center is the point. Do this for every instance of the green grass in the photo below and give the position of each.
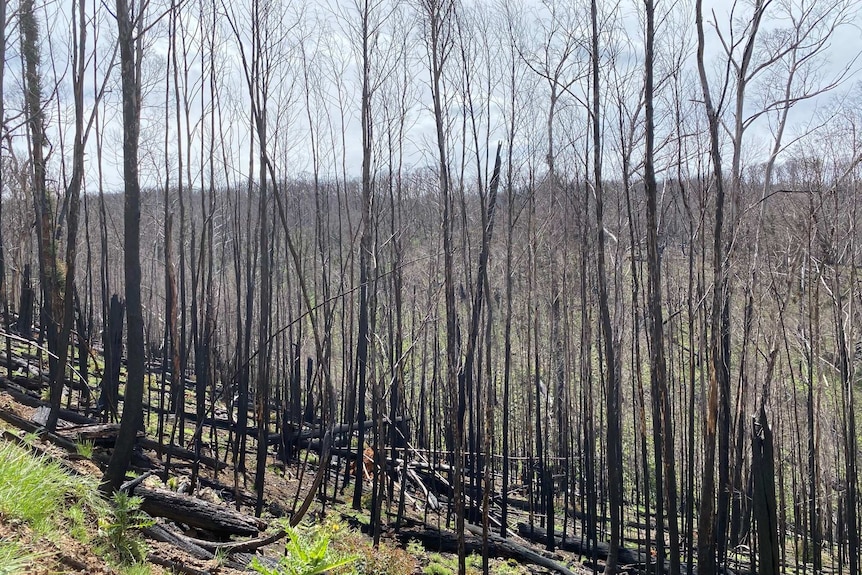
(447, 564)
(40, 493)
(136, 569)
(14, 558)
(78, 524)
(34, 490)
(85, 448)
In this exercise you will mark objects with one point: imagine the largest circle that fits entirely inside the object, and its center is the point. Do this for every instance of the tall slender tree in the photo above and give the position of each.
(662, 417)
(614, 443)
(129, 30)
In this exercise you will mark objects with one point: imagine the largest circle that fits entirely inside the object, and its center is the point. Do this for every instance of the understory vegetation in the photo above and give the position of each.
(41, 501)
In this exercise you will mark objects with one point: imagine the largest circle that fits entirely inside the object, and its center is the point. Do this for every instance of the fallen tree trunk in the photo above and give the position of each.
(180, 453)
(244, 559)
(21, 396)
(217, 519)
(101, 433)
(39, 452)
(233, 546)
(159, 533)
(574, 545)
(31, 427)
(447, 542)
(313, 434)
(520, 552)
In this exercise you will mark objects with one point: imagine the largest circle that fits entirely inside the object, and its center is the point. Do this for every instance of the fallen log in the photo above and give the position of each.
(233, 546)
(35, 381)
(139, 461)
(104, 434)
(15, 362)
(41, 415)
(180, 453)
(20, 396)
(310, 435)
(447, 542)
(92, 431)
(128, 486)
(600, 550)
(175, 566)
(159, 533)
(245, 558)
(39, 452)
(520, 552)
(31, 427)
(524, 505)
(430, 499)
(217, 422)
(217, 519)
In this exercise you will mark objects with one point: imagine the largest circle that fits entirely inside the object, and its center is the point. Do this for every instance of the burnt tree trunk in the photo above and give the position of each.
(763, 472)
(113, 346)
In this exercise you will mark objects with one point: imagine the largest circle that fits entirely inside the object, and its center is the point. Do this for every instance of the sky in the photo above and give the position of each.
(318, 100)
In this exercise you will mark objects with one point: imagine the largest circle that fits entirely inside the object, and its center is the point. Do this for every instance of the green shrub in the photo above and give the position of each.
(435, 568)
(117, 530)
(384, 560)
(306, 553)
(415, 548)
(446, 565)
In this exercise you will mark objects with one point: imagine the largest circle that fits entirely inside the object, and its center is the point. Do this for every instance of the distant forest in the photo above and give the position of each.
(599, 260)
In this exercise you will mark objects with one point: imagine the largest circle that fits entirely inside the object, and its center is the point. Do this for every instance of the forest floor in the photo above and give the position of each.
(77, 532)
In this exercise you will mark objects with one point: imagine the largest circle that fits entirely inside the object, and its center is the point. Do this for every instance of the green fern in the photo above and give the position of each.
(126, 516)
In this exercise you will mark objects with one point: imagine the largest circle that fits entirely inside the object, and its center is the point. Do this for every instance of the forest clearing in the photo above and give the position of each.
(430, 286)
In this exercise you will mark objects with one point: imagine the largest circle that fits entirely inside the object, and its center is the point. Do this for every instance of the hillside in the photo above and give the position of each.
(53, 519)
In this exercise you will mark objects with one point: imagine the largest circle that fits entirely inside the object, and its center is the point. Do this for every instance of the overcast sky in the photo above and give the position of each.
(323, 35)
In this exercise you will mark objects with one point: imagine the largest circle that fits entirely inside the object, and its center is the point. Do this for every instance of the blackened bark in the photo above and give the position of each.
(706, 538)
(113, 351)
(614, 462)
(24, 323)
(763, 472)
(658, 364)
(50, 277)
(4, 292)
(133, 399)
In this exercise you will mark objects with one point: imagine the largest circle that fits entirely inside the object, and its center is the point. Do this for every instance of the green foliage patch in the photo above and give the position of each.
(386, 559)
(307, 552)
(117, 528)
(34, 489)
